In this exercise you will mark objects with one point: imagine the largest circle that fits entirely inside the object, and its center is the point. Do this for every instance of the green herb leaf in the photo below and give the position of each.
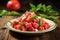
(32, 5)
(33, 10)
(49, 7)
(39, 22)
(53, 17)
(44, 7)
(43, 15)
(39, 7)
(3, 13)
(14, 13)
(34, 17)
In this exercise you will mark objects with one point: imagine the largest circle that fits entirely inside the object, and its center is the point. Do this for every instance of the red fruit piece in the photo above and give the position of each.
(35, 20)
(19, 19)
(23, 29)
(35, 25)
(14, 23)
(28, 19)
(28, 25)
(45, 25)
(31, 29)
(33, 14)
(23, 19)
(41, 28)
(28, 14)
(18, 27)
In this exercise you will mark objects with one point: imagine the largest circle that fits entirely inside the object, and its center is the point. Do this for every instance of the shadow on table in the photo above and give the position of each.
(23, 36)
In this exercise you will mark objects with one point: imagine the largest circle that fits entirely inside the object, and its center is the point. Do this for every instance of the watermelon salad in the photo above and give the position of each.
(30, 22)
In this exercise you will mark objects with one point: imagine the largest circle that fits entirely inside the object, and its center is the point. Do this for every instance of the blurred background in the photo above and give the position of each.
(25, 4)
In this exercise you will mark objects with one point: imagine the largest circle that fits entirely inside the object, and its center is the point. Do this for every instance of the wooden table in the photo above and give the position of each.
(5, 34)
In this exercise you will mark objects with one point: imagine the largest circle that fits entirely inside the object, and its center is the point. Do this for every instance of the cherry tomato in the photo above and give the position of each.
(13, 5)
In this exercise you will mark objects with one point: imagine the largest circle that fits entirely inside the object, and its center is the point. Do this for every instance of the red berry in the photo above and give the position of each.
(35, 25)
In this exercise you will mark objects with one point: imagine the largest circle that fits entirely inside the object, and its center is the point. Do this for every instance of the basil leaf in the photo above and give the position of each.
(39, 22)
(34, 17)
(39, 7)
(44, 8)
(32, 5)
(33, 10)
(14, 13)
(3, 13)
(49, 7)
(43, 15)
(53, 17)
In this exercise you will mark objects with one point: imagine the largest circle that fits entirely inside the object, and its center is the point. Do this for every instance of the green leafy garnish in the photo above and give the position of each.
(3, 13)
(14, 13)
(50, 13)
(39, 7)
(33, 7)
(34, 17)
(39, 22)
(50, 17)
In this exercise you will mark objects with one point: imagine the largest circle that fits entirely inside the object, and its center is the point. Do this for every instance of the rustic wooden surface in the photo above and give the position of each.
(6, 34)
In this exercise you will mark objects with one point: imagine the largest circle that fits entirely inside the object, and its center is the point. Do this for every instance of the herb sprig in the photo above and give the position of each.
(48, 11)
(4, 13)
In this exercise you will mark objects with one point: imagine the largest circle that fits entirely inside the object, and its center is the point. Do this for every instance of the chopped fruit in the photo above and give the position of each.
(41, 28)
(18, 26)
(19, 19)
(30, 22)
(28, 19)
(35, 20)
(35, 25)
(28, 25)
(14, 23)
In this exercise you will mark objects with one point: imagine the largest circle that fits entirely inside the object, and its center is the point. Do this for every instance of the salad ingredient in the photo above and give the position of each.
(4, 13)
(14, 13)
(47, 11)
(30, 23)
(13, 5)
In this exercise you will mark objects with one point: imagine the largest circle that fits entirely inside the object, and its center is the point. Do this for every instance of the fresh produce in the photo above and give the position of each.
(4, 13)
(13, 5)
(29, 22)
(46, 11)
